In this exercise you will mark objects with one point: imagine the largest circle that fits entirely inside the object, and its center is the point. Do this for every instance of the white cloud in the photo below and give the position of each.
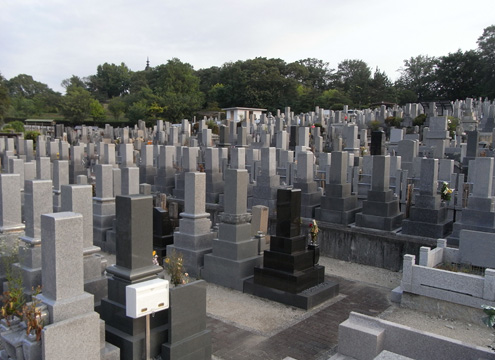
(51, 40)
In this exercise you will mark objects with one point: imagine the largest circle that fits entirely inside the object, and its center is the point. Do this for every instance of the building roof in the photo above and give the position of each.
(243, 108)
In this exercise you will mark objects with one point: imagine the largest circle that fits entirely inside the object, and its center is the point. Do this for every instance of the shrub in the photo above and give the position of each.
(174, 264)
(419, 120)
(14, 126)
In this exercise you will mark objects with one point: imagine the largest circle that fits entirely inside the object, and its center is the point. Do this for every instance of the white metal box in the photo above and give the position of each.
(146, 297)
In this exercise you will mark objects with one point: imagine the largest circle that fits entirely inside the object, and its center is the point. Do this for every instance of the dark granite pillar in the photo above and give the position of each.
(134, 250)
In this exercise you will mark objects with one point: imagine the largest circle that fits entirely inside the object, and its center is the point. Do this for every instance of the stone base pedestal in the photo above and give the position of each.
(472, 220)
(425, 229)
(127, 333)
(304, 300)
(29, 265)
(103, 217)
(288, 272)
(338, 206)
(94, 281)
(380, 211)
(188, 337)
(378, 222)
(227, 272)
(310, 198)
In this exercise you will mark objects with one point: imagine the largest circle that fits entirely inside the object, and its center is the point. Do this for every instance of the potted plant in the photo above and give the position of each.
(31, 314)
(313, 241)
(13, 300)
(187, 332)
(174, 265)
(446, 192)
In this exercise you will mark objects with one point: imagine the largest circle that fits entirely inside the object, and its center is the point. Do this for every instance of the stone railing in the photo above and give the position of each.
(455, 287)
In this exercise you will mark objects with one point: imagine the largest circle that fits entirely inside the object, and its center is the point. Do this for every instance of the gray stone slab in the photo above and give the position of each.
(78, 335)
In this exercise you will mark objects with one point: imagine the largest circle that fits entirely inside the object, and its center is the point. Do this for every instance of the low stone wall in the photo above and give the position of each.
(368, 247)
(460, 288)
(376, 336)
(358, 245)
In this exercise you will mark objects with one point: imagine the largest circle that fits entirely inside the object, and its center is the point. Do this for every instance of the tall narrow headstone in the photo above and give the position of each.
(479, 215)
(37, 201)
(310, 196)
(134, 265)
(338, 205)
(234, 252)
(103, 206)
(428, 216)
(288, 267)
(72, 320)
(194, 237)
(60, 177)
(267, 182)
(381, 209)
(10, 203)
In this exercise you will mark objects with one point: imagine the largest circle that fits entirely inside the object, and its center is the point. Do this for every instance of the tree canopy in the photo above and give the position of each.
(175, 90)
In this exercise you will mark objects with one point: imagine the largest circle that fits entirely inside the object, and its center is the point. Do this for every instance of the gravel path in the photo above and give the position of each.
(267, 317)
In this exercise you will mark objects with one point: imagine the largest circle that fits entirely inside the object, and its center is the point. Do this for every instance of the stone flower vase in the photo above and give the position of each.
(187, 334)
(314, 247)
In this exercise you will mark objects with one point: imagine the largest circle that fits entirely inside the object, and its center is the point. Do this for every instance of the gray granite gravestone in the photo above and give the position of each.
(73, 325)
(79, 199)
(10, 203)
(338, 205)
(165, 178)
(267, 182)
(479, 215)
(235, 252)
(428, 215)
(310, 196)
(194, 237)
(103, 206)
(381, 208)
(37, 201)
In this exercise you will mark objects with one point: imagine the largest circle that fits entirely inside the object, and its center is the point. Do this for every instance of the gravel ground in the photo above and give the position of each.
(267, 317)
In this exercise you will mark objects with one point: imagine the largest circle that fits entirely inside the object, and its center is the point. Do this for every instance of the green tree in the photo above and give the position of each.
(137, 111)
(31, 97)
(139, 80)
(486, 49)
(77, 105)
(353, 77)
(15, 126)
(381, 88)
(418, 75)
(405, 96)
(23, 107)
(4, 98)
(177, 86)
(332, 97)
(97, 111)
(117, 107)
(110, 81)
(25, 86)
(73, 82)
(458, 75)
(317, 75)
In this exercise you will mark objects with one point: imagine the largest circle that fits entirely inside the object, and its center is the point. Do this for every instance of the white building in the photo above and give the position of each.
(242, 113)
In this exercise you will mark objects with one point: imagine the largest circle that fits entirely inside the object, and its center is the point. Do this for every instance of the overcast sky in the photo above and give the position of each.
(54, 39)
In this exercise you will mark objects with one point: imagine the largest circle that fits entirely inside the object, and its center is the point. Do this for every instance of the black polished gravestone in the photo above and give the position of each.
(163, 232)
(377, 146)
(134, 265)
(293, 137)
(288, 274)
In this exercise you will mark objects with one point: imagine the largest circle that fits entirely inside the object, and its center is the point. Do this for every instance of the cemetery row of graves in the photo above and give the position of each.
(251, 209)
